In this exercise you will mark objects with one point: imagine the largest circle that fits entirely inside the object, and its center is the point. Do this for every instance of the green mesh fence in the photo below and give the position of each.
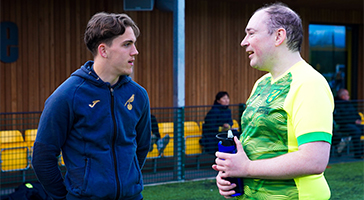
(183, 157)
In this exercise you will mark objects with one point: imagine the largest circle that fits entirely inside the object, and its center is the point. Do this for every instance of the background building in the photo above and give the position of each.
(42, 44)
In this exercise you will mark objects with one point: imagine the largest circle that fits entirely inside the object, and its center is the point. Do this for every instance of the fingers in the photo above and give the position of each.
(220, 169)
(221, 181)
(222, 155)
(239, 147)
(222, 162)
(215, 167)
(228, 194)
(225, 187)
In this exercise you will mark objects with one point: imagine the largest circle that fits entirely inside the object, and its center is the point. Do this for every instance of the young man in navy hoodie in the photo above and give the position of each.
(99, 118)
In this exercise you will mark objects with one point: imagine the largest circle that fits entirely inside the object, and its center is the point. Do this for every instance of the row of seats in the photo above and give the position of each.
(192, 136)
(16, 150)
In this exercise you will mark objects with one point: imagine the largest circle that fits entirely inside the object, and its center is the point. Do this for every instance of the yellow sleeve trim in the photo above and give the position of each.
(314, 137)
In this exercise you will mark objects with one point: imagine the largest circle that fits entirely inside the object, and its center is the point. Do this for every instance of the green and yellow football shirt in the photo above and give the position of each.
(282, 114)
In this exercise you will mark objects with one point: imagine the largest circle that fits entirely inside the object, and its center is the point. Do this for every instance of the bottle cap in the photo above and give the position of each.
(225, 139)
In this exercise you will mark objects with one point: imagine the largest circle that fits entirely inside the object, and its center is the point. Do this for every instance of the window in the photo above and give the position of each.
(329, 54)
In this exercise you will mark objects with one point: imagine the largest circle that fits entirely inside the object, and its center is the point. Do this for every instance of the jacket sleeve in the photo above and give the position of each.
(143, 130)
(229, 118)
(45, 165)
(52, 131)
(211, 122)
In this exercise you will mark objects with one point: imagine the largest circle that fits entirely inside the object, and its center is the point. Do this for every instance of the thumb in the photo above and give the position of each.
(239, 146)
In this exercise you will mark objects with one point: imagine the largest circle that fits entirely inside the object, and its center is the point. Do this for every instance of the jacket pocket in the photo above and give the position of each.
(77, 178)
(133, 185)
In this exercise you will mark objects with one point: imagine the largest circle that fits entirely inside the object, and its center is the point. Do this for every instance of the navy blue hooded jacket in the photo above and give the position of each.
(104, 133)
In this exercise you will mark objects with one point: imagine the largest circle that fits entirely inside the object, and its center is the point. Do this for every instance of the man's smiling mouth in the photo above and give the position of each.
(250, 53)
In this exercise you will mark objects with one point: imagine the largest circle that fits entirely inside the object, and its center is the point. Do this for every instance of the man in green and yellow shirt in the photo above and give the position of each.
(284, 147)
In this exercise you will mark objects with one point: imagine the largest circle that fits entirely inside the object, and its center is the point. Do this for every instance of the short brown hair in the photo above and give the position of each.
(105, 27)
(281, 16)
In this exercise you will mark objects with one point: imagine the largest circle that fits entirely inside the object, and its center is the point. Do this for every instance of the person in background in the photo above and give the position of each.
(348, 121)
(284, 145)
(99, 118)
(217, 120)
(156, 137)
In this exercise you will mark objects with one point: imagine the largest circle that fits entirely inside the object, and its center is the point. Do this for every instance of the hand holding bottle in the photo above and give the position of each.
(227, 145)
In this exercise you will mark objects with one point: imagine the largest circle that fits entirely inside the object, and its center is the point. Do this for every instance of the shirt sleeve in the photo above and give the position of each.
(312, 111)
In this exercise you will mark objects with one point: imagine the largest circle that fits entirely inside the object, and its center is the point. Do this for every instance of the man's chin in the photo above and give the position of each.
(128, 73)
(260, 68)
(254, 66)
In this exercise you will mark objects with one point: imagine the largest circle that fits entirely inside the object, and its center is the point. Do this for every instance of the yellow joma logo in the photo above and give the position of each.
(93, 103)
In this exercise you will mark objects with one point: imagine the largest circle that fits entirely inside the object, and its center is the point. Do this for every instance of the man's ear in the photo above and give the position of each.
(280, 36)
(102, 50)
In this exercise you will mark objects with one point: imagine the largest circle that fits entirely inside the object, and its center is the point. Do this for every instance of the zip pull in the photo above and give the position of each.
(112, 91)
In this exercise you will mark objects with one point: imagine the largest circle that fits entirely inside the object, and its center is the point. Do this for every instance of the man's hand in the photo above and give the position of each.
(232, 165)
(226, 188)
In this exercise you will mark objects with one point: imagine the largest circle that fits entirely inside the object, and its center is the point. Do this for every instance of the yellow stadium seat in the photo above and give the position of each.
(362, 118)
(191, 128)
(13, 151)
(154, 153)
(193, 135)
(362, 123)
(201, 123)
(193, 146)
(29, 137)
(164, 129)
(235, 125)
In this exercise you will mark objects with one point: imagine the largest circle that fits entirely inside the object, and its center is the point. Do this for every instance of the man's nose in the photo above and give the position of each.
(135, 51)
(244, 42)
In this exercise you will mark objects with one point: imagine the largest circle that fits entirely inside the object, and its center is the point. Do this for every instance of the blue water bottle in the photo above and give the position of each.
(227, 145)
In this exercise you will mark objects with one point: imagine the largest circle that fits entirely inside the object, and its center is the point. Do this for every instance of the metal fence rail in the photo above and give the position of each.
(182, 159)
